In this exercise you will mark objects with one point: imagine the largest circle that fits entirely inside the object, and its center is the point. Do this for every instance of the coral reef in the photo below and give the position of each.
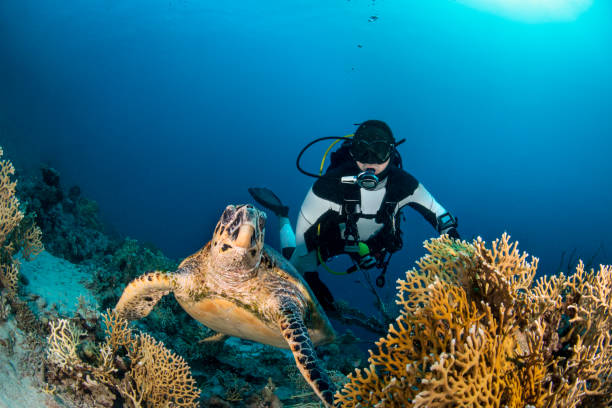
(20, 368)
(476, 330)
(132, 259)
(20, 328)
(137, 367)
(18, 235)
(128, 259)
(58, 338)
(475, 327)
(70, 224)
(18, 232)
(10, 215)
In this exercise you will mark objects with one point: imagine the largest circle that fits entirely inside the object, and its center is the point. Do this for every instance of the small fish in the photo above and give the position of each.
(372, 19)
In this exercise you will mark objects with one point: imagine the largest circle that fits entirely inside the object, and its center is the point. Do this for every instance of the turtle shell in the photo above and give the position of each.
(249, 308)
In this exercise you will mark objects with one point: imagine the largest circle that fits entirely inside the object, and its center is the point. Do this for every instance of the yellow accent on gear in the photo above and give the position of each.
(329, 148)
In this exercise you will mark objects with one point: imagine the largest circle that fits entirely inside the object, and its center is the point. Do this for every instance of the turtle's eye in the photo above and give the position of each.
(262, 223)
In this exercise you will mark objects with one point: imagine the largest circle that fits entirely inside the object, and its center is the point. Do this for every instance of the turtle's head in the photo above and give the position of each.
(239, 238)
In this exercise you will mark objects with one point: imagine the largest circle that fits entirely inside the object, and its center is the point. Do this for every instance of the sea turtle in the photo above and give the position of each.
(237, 285)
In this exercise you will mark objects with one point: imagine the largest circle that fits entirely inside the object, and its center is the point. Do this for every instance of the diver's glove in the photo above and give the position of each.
(453, 233)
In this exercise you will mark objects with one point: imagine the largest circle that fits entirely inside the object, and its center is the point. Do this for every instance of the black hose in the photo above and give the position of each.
(297, 162)
(301, 170)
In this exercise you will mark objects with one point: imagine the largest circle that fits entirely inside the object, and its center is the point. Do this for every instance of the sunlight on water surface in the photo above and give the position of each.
(533, 11)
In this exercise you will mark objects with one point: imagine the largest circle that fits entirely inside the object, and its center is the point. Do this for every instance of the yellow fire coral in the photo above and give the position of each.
(14, 235)
(63, 341)
(475, 331)
(156, 377)
(10, 216)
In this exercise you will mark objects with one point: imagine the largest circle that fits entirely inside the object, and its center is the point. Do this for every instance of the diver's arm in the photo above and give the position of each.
(425, 204)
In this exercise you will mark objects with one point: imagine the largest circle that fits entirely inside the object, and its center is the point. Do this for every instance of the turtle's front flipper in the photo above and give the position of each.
(295, 332)
(142, 294)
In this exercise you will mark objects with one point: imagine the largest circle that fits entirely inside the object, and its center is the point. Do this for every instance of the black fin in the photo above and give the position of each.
(269, 200)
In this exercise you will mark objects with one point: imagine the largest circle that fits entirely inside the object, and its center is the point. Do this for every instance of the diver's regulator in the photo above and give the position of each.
(366, 179)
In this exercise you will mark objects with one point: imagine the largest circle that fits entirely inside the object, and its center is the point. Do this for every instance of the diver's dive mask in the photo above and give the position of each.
(372, 143)
(376, 151)
(366, 179)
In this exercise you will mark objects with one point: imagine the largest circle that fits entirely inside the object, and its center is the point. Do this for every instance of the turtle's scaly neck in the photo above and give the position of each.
(225, 275)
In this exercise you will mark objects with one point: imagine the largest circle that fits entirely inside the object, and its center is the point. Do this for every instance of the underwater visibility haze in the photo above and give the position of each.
(165, 112)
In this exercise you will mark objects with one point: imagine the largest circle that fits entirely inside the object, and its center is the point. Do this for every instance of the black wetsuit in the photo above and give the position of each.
(375, 212)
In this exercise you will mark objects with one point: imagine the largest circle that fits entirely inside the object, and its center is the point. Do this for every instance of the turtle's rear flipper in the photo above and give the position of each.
(295, 332)
(142, 294)
(269, 200)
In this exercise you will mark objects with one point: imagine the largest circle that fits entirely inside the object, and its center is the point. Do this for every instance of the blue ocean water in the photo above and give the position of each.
(166, 111)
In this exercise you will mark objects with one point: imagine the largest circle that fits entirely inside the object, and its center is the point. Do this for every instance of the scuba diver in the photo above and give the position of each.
(354, 208)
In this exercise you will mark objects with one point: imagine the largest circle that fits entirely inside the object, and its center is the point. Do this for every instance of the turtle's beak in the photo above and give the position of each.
(245, 236)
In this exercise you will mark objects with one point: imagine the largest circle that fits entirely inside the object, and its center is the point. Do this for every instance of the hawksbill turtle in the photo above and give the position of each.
(239, 286)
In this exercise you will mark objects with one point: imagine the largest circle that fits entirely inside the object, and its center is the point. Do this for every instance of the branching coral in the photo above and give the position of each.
(16, 232)
(9, 276)
(63, 341)
(28, 237)
(157, 376)
(151, 376)
(474, 330)
(10, 216)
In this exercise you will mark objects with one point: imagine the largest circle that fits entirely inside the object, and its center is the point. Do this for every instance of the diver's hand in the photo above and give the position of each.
(453, 233)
